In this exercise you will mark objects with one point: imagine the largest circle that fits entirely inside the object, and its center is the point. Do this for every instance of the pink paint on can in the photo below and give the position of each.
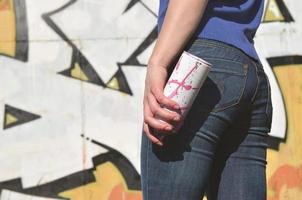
(184, 84)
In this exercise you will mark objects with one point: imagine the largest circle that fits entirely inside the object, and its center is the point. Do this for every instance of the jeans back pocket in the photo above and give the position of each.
(224, 85)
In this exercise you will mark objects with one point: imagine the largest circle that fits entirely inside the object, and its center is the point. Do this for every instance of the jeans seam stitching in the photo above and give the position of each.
(268, 93)
(223, 59)
(211, 43)
(147, 173)
(207, 43)
(254, 95)
(227, 72)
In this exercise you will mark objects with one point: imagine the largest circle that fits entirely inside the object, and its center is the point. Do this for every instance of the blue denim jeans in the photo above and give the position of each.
(220, 151)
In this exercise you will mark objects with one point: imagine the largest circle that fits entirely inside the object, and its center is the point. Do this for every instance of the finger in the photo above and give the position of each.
(150, 135)
(153, 122)
(162, 113)
(162, 99)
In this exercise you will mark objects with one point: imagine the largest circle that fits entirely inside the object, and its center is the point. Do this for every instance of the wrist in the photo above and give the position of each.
(157, 63)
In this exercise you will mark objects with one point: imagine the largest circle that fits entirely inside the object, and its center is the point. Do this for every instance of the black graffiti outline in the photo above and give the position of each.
(81, 178)
(22, 116)
(133, 2)
(284, 11)
(77, 56)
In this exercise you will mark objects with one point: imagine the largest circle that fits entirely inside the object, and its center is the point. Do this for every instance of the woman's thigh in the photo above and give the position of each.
(182, 168)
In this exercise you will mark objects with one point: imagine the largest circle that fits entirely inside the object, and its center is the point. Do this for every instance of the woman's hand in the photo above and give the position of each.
(153, 99)
(181, 20)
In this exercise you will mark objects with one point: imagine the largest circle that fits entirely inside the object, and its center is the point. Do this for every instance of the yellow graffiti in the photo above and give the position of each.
(109, 184)
(7, 28)
(10, 119)
(78, 73)
(273, 12)
(114, 84)
(284, 172)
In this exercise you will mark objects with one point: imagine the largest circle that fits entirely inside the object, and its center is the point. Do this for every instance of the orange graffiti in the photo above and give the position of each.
(5, 5)
(118, 192)
(109, 184)
(285, 176)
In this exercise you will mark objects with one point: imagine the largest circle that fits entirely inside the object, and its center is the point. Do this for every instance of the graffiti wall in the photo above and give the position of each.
(71, 89)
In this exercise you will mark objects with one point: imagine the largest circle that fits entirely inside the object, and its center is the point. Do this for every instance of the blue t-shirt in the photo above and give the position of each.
(231, 21)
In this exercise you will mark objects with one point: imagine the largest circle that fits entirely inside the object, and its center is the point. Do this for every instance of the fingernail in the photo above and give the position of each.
(159, 143)
(168, 128)
(176, 118)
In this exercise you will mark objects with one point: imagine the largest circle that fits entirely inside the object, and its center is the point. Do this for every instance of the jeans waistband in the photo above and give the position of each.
(240, 55)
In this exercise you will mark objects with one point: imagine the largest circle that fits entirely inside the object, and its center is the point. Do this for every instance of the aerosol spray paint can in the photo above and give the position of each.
(184, 84)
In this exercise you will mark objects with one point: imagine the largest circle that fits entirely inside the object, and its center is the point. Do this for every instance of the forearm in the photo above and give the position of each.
(181, 20)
